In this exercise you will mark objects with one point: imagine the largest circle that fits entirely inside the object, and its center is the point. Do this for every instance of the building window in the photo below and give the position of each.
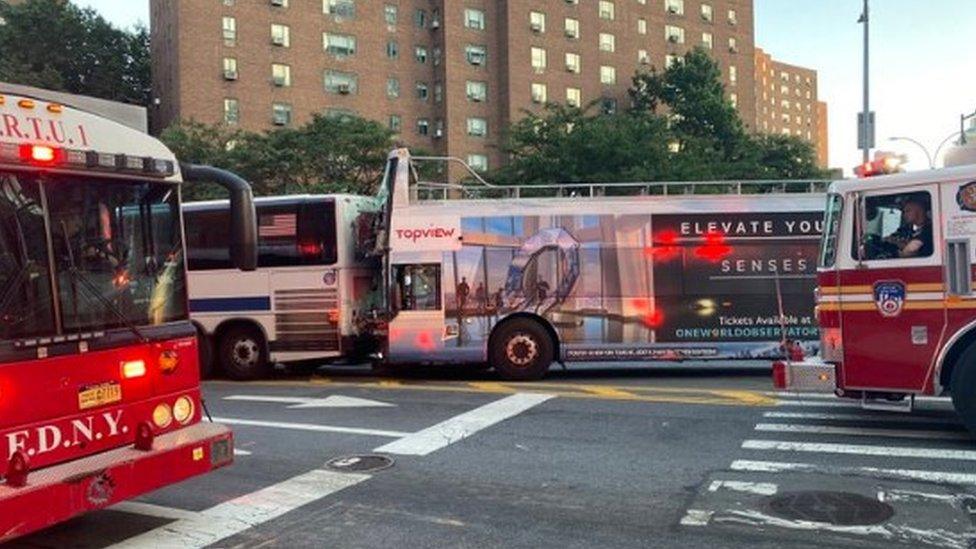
(785, 103)
(420, 54)
(643, 57)
(476, 55)
(733, 45)
(280, 35)
(230, 31)
(608, 75)
(281, 75)
(675, 7)
(230, 68)
(339, 9)
(476, 91)
(733, 75)
(608, 105)
(395, 123)
(437, 56)
(707, 40)
(572, 28)
(420, 20)
(608, 42)
(734, 98)
(390, 14)
(341, 82)
(574, 97)
(477, 127)
(232, 111)
(733, 17)
(392, 88)
(423, 92)
(438, 92)
(540, 93)
(674, 34)
(281, 114)
(671, 60)
(423, 126)
(474, 19)
(392, 49)
(539, 60)
(707, 14)
(642, 26)
(339, 45)
(537, 21)
(607, 10)
(573, 62)
(478, 162)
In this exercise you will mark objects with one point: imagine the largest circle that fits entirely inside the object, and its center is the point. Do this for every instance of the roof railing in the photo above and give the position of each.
(474, 186)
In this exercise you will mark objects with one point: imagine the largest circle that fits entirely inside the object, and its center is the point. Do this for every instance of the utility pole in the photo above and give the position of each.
(865, 122)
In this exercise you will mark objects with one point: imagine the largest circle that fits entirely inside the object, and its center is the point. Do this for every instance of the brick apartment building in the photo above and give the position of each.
(448, 75)
(787, 102)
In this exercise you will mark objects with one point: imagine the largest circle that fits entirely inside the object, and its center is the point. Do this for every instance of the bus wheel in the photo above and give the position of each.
(963, 388)
(205, 354)
(243, 355)
(521, 350)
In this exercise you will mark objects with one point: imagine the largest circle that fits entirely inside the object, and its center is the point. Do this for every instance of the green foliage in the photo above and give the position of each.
(681, 127)
(54, 44)
(327, 155)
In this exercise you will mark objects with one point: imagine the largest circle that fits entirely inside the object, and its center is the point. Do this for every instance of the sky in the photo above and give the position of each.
(922, 71)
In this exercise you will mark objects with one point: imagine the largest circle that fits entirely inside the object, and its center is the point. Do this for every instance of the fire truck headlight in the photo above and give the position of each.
(183, 410)
(162, 416)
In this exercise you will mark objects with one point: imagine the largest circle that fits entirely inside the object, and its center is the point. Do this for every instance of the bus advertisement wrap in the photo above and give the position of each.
(631, 287)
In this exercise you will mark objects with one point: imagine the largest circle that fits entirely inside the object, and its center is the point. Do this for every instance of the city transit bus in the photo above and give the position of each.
(301, 302)
(895, 293)
(519, 277)
(99, 384)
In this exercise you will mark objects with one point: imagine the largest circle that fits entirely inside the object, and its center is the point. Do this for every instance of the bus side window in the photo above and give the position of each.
(207, 239)
(418, 287)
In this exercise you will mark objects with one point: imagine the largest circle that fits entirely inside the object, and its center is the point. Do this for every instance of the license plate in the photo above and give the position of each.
(93, 396)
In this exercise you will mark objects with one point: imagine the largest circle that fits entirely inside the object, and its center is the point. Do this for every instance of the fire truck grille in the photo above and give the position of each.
(302, 320)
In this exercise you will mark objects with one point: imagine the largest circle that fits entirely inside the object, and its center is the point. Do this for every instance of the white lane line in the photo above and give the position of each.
(239, 452)
(760, 488)
(859, 449)
(860, 431)
(462, 426)
(942, 477)
(153, 510)
(820, 403)
(866, 418)
(696, 517)
(239, 514)
(310, 427)
(911, 495)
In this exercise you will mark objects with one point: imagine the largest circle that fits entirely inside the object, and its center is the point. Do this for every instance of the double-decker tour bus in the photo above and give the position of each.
(519, 277)
(99, 384)
(299, 304)
(895, 295)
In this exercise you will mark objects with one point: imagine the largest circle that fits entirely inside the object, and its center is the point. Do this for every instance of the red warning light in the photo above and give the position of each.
(714, 249)
(38, 154)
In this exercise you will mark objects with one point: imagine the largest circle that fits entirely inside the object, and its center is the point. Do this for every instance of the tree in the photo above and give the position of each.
(785, 157)
(75, 50)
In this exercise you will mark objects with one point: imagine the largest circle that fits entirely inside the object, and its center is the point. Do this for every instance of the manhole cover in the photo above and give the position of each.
(360, 464)
(839, 508)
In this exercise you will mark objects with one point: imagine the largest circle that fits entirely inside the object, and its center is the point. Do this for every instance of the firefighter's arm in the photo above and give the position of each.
(910, 248)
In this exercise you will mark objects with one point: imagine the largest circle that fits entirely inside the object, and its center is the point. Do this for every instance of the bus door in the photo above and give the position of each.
(416, 331)
(892, 307)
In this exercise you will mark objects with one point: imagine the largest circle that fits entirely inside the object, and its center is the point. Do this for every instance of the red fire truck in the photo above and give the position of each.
(896, 300)
(99, 382)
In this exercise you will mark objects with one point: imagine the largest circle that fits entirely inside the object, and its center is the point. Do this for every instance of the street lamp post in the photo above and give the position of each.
(866, 129)
(919, 145)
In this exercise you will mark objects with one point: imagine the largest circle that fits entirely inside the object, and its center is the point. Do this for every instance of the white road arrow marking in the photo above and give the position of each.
(335, 401)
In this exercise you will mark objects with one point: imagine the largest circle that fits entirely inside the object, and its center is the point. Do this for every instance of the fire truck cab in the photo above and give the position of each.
(896, 300)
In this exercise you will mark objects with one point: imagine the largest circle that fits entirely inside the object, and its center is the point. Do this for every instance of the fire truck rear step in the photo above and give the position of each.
(905, 405)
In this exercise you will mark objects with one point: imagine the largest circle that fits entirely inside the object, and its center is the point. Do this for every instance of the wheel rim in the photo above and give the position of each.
(246, 353)
(521, 350)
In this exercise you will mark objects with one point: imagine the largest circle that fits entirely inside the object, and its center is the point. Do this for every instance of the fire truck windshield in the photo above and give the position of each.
(116, 255)
(831, 230)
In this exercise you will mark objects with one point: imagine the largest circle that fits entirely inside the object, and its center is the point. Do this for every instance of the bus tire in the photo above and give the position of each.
(521, 350)
(205, 354)
(963, 388)
(243, 353)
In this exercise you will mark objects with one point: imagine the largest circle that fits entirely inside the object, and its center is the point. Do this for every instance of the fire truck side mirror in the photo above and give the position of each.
(243, 217)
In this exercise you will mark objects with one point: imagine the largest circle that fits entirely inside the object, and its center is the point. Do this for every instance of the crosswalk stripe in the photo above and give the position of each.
(861, 431)
(759, 488)
(944, 477)
(866, 418)
(858, 449)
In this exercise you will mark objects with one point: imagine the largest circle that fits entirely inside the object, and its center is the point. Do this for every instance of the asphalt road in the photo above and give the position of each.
(637, 457)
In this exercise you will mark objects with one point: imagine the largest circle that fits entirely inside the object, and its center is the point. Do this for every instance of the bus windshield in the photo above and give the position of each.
(116, 255)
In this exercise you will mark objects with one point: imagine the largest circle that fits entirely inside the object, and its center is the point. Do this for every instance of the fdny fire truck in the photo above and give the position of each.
(99, 383)
(896, 300)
